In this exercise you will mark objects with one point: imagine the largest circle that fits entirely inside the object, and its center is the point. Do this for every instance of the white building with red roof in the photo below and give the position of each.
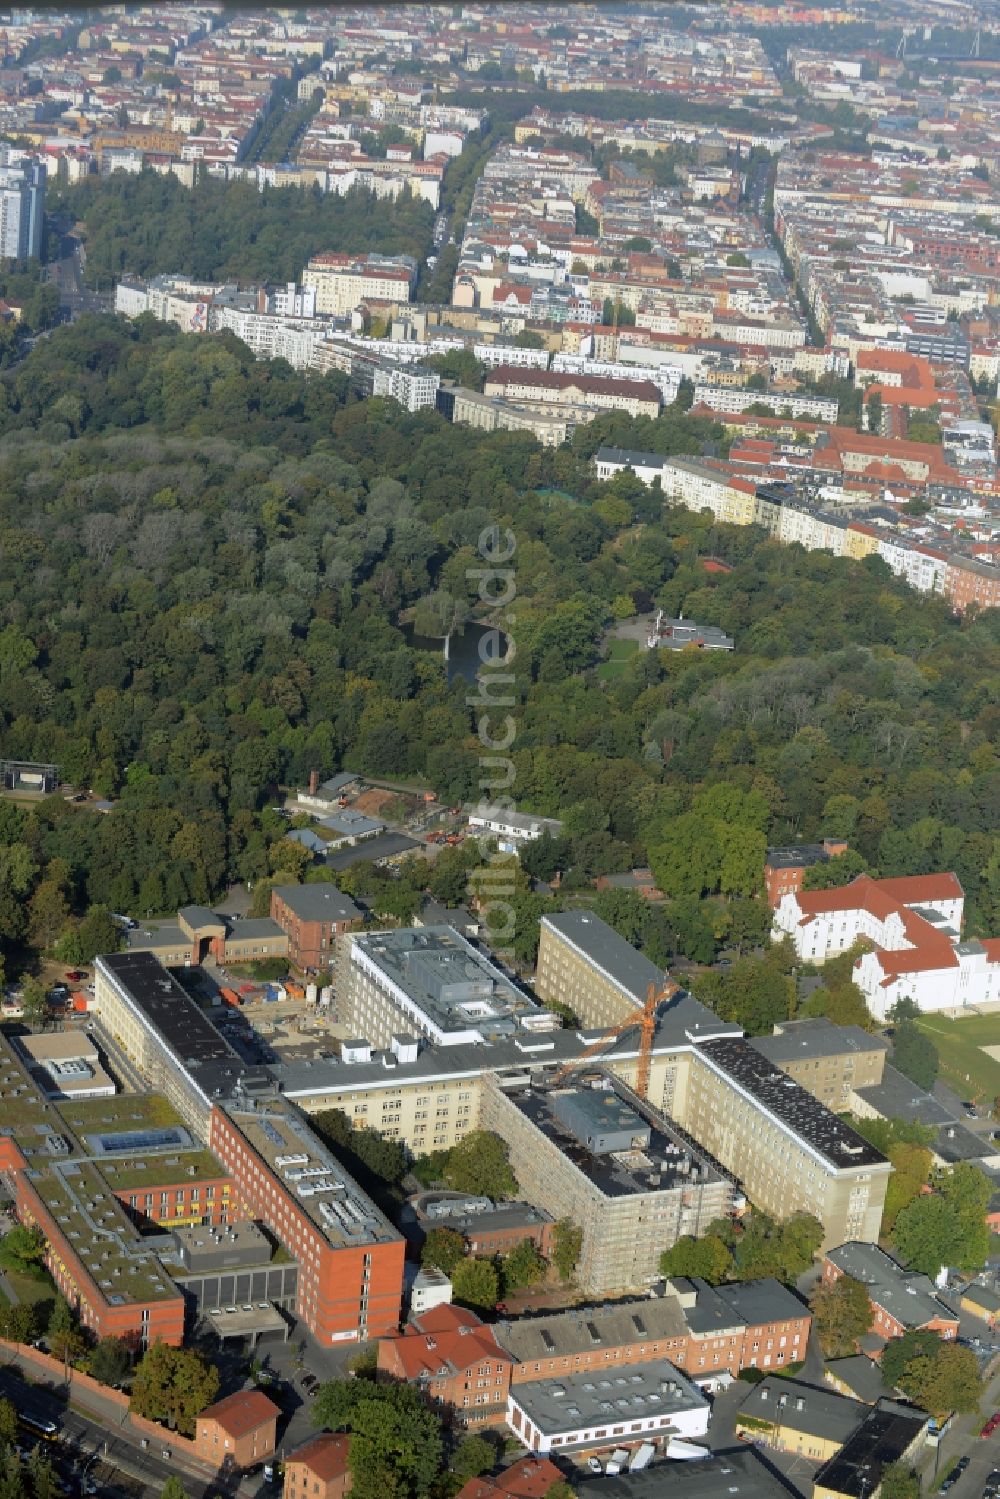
(915, 927)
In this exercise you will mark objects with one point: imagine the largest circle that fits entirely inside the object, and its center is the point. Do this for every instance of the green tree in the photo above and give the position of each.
(757, 993)
(443, 1248)
(939, 1376)
(835, 872)
(568, 1237)
(473, 1455)
(48, 913)
(394, 1435)
(18, 1322)
(42, 1478)
(173, 1386)
(523, 1266)
(900, 1482)
(34, 1002)
(915, 1055)
(173, 1489)
(97, 934)
(842, 1314)
(911, 1169)
(475, 1283)
(22, 1248)
(110, 1361)
(948, 1225)
(65, 1339)
(707, 1257)
(8, 1421)
(479, 1164)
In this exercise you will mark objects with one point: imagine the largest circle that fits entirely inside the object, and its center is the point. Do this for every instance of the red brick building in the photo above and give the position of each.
(454, 1360)
(313, 917)
(319, 1469)
(901, 1300)
(702, 1329)
(968, 581)
(530, 1478)
(785, 868)
(114, 1294)
(350, 1257)
(239, 1431)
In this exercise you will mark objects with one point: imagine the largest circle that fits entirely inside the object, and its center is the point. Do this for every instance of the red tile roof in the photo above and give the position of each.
(442, 1341)
(528, 1479)
(325, 1455)
(241, 1413)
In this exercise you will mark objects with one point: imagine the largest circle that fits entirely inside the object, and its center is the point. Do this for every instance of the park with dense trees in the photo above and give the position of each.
(219, 550)
(147, 224)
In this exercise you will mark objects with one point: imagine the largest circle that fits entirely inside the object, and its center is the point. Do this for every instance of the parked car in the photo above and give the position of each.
(77, 975)
(991, 1425)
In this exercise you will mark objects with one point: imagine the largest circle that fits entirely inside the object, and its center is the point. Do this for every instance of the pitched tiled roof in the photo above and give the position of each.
(241, 1413)
(325, 1455)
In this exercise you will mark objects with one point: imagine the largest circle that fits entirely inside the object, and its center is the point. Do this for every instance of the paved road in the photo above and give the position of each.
(961, 1440)
(114, 1457)
(75, 296)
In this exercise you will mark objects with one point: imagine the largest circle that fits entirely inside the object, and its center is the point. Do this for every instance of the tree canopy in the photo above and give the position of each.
(219, 550)
(147, 223)
(396, 1445)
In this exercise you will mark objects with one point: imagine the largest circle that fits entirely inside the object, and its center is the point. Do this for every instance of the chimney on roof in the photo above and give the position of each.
(313, 782)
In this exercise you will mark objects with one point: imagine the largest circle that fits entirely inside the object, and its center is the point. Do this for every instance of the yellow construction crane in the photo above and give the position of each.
(647, 1030)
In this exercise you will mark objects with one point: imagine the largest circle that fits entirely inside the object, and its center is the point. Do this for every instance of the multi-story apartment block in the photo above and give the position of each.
(733, 399)
(429, 982)
(923, 567)
(22, 205)
(550, 387)
(343, 282)
(551, 427)
(614, 1166)
(698, 486)
(788, 1151)
(584, 964)
(645, 466)
(968, 581)
(414, 387)
(829, 1061)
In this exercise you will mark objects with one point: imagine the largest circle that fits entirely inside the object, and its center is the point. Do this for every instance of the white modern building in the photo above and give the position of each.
(622, 1405)
(645, 466)
(511, 829)
(922, 567)
(413, 387)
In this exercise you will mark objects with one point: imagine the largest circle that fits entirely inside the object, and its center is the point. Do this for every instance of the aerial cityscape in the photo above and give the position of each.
(500, 750)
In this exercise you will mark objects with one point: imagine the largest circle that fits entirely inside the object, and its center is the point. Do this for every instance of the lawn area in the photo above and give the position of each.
(964, 1066)
(29, 1290)
(620, 652)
